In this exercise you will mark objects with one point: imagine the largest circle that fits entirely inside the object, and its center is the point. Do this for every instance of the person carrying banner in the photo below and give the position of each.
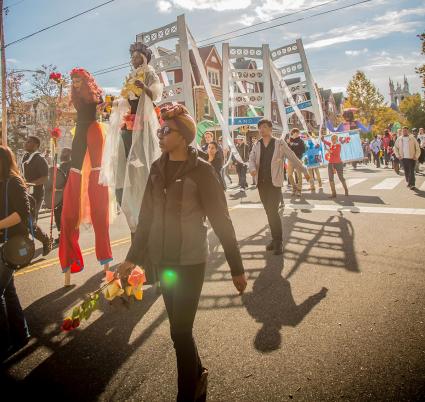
(335, 164)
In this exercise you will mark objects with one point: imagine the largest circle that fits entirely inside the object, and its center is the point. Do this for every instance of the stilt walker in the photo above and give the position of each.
(85, 200)
(131, 142)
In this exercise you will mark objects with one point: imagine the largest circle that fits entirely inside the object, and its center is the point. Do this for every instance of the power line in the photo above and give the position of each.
(290, 22)
(118, 67)
(58, 23)
(267, 22)
(6, 8)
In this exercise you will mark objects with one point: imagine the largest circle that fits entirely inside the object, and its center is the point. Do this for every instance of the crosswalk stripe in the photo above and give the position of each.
(388, 184)
(351, 182)
(339, 208)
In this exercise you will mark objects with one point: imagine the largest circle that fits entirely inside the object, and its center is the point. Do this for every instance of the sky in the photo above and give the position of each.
(378, 37)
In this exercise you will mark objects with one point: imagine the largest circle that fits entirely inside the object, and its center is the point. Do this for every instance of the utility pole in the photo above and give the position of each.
(3, 80)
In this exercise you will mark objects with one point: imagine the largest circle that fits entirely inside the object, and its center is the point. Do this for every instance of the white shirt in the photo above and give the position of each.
(406, 148)
(421, 139)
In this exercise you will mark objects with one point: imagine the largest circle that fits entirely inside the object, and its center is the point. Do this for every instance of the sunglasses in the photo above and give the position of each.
(163, 132)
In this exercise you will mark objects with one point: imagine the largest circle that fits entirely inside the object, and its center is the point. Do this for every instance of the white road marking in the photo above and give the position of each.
(351, 182)
(388, 184)
(422, 188)
(339, 208)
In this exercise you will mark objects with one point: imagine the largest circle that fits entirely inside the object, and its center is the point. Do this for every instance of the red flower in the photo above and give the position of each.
(56, 133)
(67, 325)
(75, 323)
(55, 76)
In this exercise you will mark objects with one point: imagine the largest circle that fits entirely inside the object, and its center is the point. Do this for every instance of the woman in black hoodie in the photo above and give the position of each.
(171, 239)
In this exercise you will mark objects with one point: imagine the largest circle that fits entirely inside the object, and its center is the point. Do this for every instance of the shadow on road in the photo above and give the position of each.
(81, 362)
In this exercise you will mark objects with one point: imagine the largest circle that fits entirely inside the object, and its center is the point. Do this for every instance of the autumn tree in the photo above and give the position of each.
(413, 108)
(421, 70)
(362, 94)
(18, 111)
(46, 95)
(386, 117)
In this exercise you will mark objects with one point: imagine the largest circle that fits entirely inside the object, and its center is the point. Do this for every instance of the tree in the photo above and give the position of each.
(421, 70)
(413, 107)
(18, 111)
(384, 117)
(363, 95)
(46, 100)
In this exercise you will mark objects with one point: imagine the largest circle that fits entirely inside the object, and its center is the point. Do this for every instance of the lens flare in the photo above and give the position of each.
(169, 277)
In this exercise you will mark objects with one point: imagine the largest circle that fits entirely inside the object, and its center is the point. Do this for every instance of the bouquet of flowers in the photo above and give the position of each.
(112, 288)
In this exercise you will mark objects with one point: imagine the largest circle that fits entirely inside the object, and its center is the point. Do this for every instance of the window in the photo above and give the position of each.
(250, 87)
(206, 107)
(171, 78)
(214, 77)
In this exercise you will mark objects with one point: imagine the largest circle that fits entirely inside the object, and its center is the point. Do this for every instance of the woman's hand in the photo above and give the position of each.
(139, 84)
(240, 283)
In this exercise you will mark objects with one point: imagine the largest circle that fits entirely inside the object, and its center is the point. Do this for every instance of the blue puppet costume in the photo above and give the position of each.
(349, 123)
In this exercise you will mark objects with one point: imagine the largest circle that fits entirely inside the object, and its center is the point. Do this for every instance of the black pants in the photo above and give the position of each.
(376, 160)
(241, 170)
(181, 287)
(13, 326)
(409, 171)
(58, 213)
(271, 196)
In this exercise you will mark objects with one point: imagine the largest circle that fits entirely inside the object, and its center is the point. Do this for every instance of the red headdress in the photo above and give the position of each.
(90, 92)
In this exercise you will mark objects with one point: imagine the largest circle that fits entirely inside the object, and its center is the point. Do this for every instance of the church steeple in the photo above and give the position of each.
(398, 92)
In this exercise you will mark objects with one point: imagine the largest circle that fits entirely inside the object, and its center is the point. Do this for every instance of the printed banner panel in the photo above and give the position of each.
(351, 146)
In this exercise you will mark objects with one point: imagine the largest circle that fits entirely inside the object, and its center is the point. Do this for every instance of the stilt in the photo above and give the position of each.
(68, 278)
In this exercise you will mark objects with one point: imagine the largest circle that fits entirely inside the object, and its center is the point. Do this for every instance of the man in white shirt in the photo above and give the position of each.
(408, 151)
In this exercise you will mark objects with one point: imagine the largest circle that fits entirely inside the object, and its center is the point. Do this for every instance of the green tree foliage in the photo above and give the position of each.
(421, 70)
(413, 108)
(363, 95)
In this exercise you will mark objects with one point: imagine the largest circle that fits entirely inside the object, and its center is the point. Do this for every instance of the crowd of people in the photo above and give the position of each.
(402, 150)
(174, 187)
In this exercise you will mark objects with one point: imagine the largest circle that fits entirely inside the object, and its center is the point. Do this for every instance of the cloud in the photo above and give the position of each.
(216, 5)
(356, 52)
(272, 8)
(12, 61)
(383, 61)
(379, 27)
(164, 6)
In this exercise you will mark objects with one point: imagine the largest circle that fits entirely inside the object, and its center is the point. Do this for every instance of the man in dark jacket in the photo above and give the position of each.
(297, 146)
(171, 239)
(35, 171)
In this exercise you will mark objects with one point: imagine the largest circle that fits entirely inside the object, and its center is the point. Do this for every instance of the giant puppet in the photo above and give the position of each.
(349, 123)
(131, 142)
(84, 199)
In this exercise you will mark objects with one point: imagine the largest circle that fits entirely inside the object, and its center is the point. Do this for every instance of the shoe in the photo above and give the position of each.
(413, 188)
(201, 387)
(278, 250)
(270, 246)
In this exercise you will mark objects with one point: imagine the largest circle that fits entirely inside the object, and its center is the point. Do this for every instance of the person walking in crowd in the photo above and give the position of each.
(375, 147)
(408, 151)
(219, 156)
(36, 171)
(297, 145)
(415, 133)
(394, 160)
(335, 164)
(241, 168)
(14, 332)
(421, 140)
(366, 151)
(182, 190)
(314, 172)
(386, 147)
(61, 179)
(215, 160)
(266, 163)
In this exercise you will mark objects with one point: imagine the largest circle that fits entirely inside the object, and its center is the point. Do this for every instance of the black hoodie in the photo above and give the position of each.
(172, 229)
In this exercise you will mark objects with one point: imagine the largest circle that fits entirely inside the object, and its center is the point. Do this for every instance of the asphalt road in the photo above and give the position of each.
(340, 316)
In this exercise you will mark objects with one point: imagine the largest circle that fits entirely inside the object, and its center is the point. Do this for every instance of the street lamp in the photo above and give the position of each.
(4, 105)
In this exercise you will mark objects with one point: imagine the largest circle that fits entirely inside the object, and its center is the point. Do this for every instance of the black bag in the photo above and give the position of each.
(17, 251)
